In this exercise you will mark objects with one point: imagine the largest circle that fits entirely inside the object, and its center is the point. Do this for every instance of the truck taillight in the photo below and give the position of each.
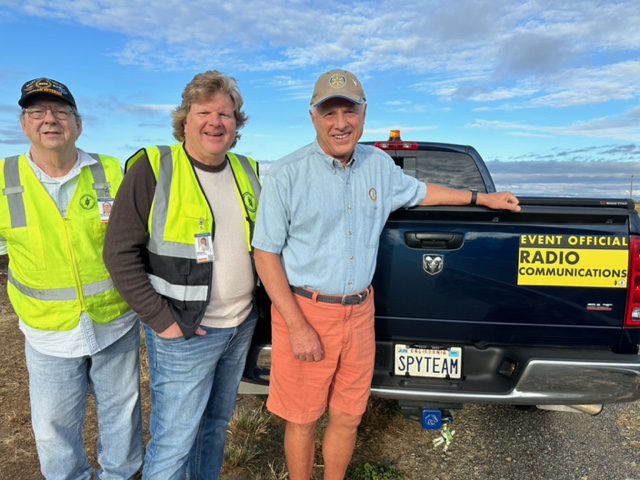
(632, 316)
(395, 143)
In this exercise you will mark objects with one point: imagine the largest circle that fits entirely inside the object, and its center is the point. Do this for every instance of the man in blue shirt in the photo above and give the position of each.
(321, 213)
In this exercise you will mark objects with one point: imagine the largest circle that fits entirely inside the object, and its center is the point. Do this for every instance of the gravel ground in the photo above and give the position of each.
(501, 442)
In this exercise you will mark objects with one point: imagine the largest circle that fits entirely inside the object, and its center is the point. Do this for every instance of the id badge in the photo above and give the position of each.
(204, 248)
(104, 207)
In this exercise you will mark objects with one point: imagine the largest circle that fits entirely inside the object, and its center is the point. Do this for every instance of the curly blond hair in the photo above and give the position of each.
(200, 89)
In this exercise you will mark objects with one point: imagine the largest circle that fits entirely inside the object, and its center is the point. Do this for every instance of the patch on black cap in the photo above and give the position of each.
(45, 86)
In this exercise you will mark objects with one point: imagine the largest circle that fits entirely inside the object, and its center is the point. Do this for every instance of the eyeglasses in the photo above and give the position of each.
(39, 112)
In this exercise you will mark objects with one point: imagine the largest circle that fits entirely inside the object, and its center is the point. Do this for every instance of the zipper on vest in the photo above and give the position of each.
(202, 229)
(74, 266)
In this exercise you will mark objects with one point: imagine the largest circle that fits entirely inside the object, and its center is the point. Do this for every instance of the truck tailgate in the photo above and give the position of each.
(451, 275)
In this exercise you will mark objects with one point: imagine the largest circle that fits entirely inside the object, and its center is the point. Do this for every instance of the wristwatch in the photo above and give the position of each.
(474, 197)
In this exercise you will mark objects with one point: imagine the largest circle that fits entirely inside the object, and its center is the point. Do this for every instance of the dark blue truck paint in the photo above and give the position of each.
(520, 344)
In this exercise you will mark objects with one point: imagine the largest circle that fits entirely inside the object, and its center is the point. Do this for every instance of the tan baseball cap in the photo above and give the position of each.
(337, 84)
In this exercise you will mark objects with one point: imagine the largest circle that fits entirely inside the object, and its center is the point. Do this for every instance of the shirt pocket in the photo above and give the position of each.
(373, 224)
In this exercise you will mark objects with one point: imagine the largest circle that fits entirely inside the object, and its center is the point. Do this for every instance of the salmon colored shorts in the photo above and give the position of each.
(299, 392)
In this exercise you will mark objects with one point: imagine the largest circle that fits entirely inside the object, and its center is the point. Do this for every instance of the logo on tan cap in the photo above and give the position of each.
(337, 84)
(337, 80)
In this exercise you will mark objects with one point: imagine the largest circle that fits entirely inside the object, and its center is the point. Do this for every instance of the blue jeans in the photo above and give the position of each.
(194, 384)
(58, 388)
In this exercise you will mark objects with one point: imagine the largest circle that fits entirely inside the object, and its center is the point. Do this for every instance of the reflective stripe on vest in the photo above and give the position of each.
(13, 190)
(100, 185)
(183, 293)
(60, 294)
(251, 175)
(161, 207)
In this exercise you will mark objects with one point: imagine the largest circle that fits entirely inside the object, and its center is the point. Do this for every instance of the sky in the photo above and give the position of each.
(547, 91)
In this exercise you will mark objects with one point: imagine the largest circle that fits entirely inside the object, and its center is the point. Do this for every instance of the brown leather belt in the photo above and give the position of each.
(353, 299)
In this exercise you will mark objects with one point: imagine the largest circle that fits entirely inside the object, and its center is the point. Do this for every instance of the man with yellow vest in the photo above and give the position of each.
(80, 335)
(179, 250)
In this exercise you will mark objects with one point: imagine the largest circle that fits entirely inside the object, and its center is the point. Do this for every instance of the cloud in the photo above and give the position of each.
(601, 178)
(537, 51)
(12, 135)
(502, 93)
(10, 130)
(407, 106)
(384, 132)
(500, 55)
(491, 39)
(624, 127)
(625, 154)
(149, 109)
(292, 88)
(570, 87)
(591, 85)
(596, 171)
(10, 109)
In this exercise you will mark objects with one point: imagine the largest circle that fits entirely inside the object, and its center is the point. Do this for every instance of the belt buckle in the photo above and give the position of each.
(361, 298)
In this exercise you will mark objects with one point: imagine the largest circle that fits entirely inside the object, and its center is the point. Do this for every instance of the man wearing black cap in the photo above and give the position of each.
(80, 335)
(321, 212)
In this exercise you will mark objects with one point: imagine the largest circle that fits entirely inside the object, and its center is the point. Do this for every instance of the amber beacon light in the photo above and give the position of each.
(394, 136)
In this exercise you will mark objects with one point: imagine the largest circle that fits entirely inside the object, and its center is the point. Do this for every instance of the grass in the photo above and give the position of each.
(368, 471)
(255, 443)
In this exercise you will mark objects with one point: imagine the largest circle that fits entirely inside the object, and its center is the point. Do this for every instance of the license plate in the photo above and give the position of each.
(428, 362)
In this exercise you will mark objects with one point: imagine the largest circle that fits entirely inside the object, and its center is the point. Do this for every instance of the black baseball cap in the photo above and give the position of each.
(45, 86)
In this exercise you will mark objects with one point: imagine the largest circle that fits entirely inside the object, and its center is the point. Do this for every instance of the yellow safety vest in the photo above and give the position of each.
(56, 271)
(179, 212)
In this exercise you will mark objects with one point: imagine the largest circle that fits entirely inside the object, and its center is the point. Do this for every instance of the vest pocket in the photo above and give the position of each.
(93, 255)
(192, 219)
(26, 249)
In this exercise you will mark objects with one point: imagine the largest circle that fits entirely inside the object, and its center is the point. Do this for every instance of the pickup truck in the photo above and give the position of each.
(540, 307)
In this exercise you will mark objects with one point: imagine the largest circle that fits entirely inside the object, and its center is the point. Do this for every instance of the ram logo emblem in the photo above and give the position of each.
(432, 264)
